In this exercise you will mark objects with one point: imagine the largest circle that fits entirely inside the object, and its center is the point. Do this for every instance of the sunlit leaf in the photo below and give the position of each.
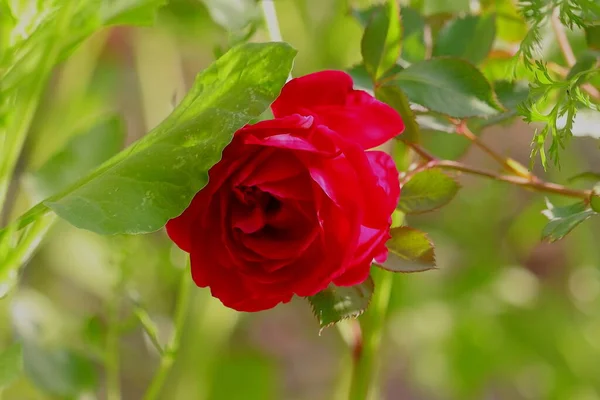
(381, 41)
(338, 303)
(449, 86)
(564, 219)
(155, 179)
(480, 31)
(426, 191)
(410, 250)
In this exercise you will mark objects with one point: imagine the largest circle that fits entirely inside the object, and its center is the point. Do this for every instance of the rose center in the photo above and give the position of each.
(254, 197)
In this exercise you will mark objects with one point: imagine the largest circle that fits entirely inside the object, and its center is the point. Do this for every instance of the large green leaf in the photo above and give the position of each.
(155, 179)
(11, 364)
(382, 39)
(393, 96)
(338, 303)
(426, 191)
(449, 86)
(470, 37)
(564, 219)
(410, 250)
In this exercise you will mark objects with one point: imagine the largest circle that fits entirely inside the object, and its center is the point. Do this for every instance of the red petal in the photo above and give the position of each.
(328, 96)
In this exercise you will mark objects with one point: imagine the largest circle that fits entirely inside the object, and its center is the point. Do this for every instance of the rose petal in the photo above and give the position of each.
(384, 168)
(329, 97)
(354, 276)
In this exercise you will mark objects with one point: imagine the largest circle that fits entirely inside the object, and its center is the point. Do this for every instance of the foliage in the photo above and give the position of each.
(499, 313)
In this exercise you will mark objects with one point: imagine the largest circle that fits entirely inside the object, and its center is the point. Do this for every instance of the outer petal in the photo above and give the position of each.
(372, 239)
(329, 97)
(384, 168)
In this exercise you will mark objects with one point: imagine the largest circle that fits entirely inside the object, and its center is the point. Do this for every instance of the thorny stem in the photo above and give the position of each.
(533, 182)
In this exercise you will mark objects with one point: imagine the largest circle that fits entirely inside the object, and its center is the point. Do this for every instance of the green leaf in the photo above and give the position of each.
(60, 372)
(393, 96)
(431, 7)
(338, 303)
(589, 176)
(449, 86)
(11, 365)
(595, 198)
(444, 145)
(155, 179)
(233, 15)
(426, 191)
(82, 153)
(410, 250)
(413, 42)
(381, 41)
(585, 62)
(564, 219)
(361, 77)
(595, 202)
(130, 12)
(470, 38)
(592, 36)
(510, 95)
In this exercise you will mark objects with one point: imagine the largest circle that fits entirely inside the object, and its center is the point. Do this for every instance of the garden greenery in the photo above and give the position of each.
(453, 67)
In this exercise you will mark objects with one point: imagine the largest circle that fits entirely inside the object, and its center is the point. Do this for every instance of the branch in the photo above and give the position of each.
(508, 164)
(533, 182)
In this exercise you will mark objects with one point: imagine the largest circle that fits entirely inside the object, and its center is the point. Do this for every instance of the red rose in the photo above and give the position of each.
(296, 203)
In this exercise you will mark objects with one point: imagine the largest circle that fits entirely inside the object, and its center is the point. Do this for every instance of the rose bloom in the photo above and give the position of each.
(296, 202)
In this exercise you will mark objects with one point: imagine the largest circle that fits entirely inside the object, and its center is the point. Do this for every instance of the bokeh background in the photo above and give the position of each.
(504, 317)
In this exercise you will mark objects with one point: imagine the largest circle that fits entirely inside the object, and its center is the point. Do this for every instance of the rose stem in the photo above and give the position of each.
(365, 359)
(168, 357)
(533, 183)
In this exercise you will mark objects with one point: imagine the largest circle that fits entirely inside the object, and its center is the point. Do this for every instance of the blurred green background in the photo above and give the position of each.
(505, 317)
